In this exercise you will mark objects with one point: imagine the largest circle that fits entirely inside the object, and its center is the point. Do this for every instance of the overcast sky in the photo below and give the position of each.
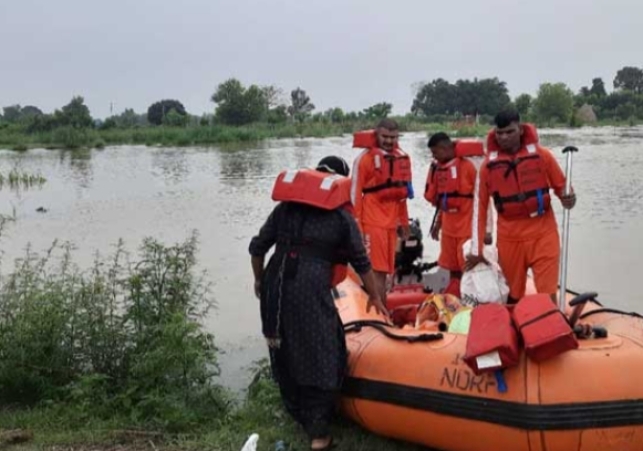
(346, 53)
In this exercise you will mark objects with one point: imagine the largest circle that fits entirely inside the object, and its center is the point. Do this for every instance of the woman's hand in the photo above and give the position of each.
(258, 288)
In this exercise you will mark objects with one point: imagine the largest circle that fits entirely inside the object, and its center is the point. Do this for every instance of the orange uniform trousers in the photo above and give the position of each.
(541, 254)
(380, 244)
(451, 255)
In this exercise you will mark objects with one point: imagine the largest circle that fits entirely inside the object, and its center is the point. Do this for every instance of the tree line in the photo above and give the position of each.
(553, 103)
(435, 101)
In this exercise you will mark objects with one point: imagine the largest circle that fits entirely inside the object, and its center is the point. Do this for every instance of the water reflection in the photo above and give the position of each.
(173, 165)
(633, 133)
(244, 165)
(80, 163)
(302, 154)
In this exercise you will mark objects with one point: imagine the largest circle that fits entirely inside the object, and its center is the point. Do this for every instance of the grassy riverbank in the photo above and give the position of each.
(116, 357)
(58, 428)
(16, 138)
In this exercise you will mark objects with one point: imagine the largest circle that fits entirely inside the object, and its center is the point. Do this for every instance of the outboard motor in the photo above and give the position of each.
(410, 253)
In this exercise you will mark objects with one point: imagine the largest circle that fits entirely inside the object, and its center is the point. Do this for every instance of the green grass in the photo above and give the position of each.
(70, 138)
(261, 412)
(16, 138)
(16, 179)
(117, 356)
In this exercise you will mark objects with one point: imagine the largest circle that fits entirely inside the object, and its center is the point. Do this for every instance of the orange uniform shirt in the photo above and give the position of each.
(522, 229)
(369, 210)
(458, 224)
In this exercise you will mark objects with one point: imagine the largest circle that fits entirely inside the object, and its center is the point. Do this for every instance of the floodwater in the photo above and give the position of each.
(94, 198)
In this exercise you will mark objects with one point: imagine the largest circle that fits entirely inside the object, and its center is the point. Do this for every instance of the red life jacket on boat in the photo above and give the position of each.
(544, 329)
(393, 174)
(449, 193)
(492, 342)
(518, 183)
(322, 190)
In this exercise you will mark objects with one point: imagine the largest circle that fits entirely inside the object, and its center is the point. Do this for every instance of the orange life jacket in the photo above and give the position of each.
(449, 195)
(392, 180)
(518, 183)
(308, 186)
(469, 148)
(321, 190)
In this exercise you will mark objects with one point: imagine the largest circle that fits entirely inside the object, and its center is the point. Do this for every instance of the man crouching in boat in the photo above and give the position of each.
(519, 174)
(315, 237)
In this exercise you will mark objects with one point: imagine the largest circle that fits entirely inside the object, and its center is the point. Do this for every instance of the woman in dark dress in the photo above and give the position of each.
(299, 319)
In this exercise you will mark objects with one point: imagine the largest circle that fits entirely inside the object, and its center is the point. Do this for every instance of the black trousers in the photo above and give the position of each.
(311, 407)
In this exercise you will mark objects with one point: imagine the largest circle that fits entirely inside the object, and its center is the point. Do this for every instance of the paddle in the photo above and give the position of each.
(569, 150)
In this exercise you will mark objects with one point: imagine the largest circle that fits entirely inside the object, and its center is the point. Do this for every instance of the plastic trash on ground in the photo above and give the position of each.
(251, 443)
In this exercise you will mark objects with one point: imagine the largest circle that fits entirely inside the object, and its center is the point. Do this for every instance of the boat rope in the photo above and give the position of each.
(381, 326)
(610, 310)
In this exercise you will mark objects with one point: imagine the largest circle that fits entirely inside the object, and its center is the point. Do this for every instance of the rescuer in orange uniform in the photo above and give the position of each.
(449, 187)
(381, 185)
(519, 174)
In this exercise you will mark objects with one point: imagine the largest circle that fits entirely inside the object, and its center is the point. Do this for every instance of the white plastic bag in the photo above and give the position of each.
(251, 443)
(484, 283)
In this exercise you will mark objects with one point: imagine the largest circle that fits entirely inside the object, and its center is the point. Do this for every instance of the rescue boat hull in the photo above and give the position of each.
(402, 387)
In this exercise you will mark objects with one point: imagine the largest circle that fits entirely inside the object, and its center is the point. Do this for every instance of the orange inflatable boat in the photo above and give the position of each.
(412, 384)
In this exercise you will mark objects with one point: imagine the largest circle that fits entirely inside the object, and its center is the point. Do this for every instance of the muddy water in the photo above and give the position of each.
(93, 198)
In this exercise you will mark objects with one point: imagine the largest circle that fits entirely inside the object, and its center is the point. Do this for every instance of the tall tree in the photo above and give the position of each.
(485, 96)
(11, 113)
(629, 79)
(175, 119)
(554, 102)
(257, 103)
(378, 111)
(273, 95)
(128, 118)
(435, 97)
(157, 112)
(277, 115)
(598, 87)
(335, 115)
(301, 106)
(74, 114)
(523, 103)
(237, 105)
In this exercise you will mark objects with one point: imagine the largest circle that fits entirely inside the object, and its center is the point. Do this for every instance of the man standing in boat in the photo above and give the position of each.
(315, 237)
(450, 185)
(381, 185)
(519, 174)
